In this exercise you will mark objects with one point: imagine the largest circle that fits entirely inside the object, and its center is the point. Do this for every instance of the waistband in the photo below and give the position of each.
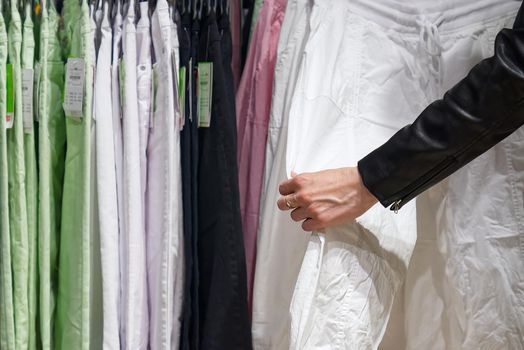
(447, 15)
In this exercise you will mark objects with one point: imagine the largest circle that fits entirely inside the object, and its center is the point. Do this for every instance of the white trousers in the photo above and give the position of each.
(134, 285)
(281, 242)
(144, 81)
(382, 65)
(107, 188)
(164, 191)
(467, 265)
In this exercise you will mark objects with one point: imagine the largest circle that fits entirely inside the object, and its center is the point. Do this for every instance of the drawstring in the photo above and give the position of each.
(430, 43)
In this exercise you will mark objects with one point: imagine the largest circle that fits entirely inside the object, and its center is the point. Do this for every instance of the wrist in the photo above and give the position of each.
(367, 198)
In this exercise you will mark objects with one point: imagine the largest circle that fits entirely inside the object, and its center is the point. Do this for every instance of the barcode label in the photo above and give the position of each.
(205, 93)
(27, 98)
(74, 88)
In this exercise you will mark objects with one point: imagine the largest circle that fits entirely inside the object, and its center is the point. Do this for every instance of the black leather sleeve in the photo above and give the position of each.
(476, 114)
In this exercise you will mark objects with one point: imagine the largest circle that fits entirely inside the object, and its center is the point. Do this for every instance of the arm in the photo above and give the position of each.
(476, 114)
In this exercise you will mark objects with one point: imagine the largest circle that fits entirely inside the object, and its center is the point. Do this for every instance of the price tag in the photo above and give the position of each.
(10, 101)
(205, 93)
(74, 88)
(27, 98)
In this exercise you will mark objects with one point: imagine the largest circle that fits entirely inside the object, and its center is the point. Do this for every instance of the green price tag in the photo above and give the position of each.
(205, 93)
(10, 103)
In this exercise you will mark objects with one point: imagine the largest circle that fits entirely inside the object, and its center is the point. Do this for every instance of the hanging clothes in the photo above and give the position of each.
(17, 186)
(144, 82)
(74, 299)
(31, 180)
(467, 263)
(178, 301)
(222, 275)
(135, 313)
(7, 322)
(118, 142)
(164, 227)
(107, 187)
(189, 163)
(49, 77)
(272, 293)
(253, 106)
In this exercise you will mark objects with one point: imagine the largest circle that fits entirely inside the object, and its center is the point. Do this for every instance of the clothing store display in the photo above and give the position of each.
(143, 144)
(253, 110)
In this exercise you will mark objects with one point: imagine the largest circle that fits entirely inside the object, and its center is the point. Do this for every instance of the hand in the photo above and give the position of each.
(325, 198)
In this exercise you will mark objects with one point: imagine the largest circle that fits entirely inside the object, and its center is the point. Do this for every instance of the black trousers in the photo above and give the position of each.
(223, 320)
(189, 159)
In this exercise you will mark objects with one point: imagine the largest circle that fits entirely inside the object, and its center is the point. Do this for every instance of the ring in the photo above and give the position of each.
(288, 205)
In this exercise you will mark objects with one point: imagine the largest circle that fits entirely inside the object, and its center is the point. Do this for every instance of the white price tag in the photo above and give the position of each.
(27, 99)
(74, 88)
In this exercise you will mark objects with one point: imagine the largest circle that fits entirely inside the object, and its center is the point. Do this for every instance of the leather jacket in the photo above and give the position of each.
(476, 114)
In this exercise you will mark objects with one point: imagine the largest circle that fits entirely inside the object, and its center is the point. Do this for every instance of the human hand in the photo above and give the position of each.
(325, 198)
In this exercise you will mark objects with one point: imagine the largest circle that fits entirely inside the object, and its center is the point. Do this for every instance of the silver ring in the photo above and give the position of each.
(287, 203)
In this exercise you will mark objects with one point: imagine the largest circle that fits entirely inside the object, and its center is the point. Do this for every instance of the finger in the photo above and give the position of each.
(288, 187)
(293, 174)
(299, 214)
(286, 202)
(281, 204)
(311, 225)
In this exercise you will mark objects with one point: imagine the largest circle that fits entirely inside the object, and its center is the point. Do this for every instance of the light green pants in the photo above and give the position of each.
(17, 191)
(51, 159)
(31, 181)
(73, 310)
(7, 327)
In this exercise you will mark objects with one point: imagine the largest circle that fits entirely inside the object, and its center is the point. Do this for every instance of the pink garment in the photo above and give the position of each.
(253, 105)
(235, 13)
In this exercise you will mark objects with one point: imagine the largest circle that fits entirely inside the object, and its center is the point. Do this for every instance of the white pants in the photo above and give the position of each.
(281, 242)
(164, 192)
(134, 285)
(382, 65)
(467, 267)
(144, 81)
(107, 189)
